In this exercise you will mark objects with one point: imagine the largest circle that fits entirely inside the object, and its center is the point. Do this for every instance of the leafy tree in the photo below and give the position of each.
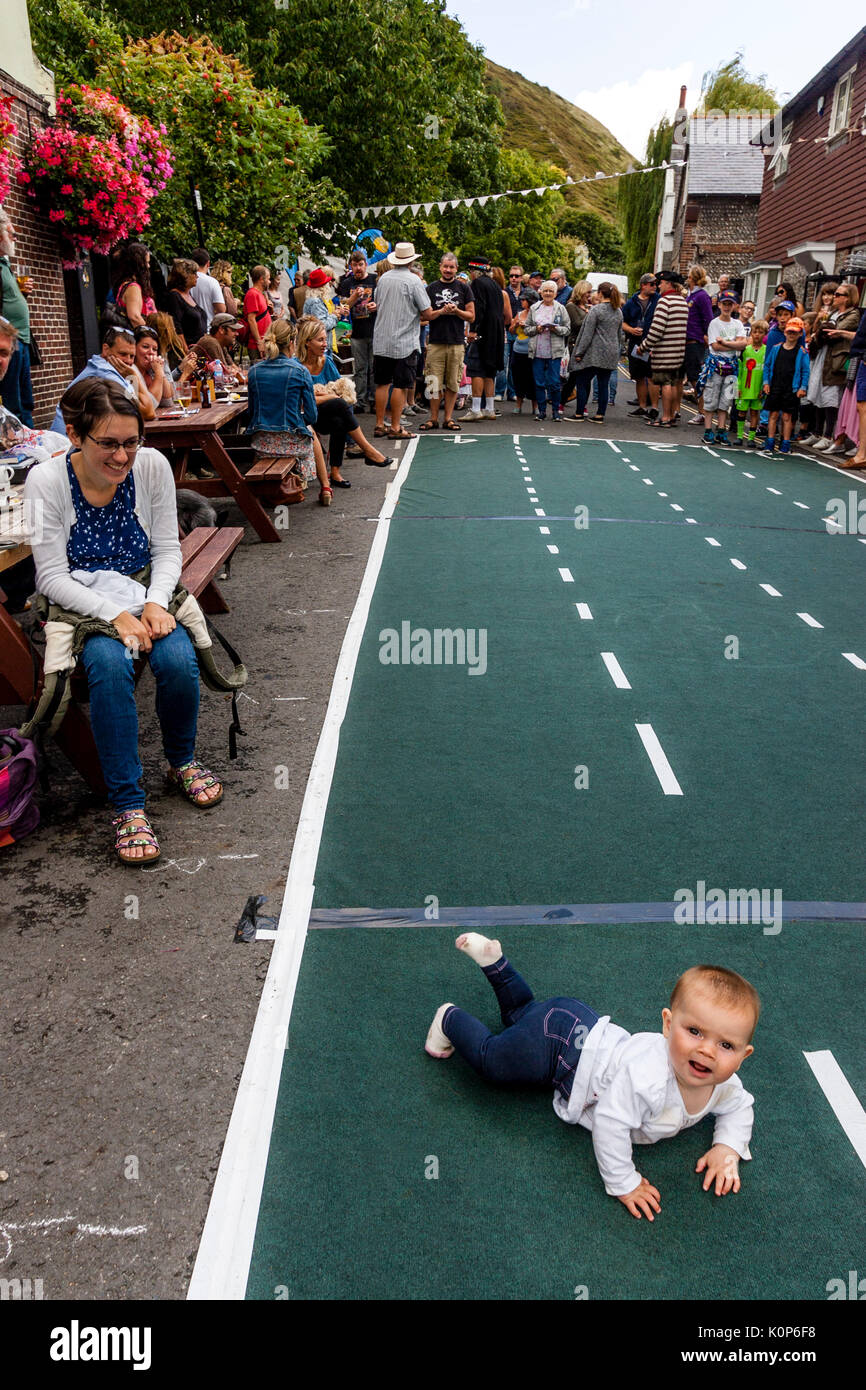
(730, 88)
(639, 202)
(602, 241)
(249, 153)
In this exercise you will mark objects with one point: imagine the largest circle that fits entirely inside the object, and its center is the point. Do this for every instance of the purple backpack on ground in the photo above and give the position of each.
(19, 813)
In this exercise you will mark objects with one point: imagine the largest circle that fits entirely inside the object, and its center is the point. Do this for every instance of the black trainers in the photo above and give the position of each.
(640, 410)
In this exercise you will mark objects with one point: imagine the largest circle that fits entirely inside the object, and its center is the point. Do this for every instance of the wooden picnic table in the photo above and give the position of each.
(199, 429)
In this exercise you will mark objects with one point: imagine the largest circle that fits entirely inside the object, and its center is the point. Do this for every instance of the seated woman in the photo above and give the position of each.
(133, 293)
(335, 416)
(151, 367)
(282, 406)
(190, 321)
(108, 549)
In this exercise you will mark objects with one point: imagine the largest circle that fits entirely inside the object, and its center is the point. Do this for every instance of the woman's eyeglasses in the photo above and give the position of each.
(111, 446)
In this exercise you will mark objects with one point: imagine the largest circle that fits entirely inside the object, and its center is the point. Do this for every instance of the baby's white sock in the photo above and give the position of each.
(438, 1044)
(482, 949)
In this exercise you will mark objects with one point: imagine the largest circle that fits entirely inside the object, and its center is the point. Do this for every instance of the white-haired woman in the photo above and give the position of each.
(547, 327)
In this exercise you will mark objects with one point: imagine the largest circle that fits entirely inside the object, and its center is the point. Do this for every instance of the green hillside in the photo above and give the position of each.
(538, 120)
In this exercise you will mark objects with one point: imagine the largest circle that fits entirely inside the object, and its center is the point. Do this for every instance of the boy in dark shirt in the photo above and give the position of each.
(786, 380)
(356, 291)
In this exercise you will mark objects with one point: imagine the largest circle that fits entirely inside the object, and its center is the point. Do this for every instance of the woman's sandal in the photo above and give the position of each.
(453, 425)
(132, 830)
(184, 779)
(326, 496)
(380, 432)
(429, 425)
(400, 434)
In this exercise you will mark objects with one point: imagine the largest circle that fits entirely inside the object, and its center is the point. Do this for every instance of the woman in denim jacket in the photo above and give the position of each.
(283, 408)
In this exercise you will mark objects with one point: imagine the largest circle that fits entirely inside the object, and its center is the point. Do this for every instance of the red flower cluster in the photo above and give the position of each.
(8, 159)
(95, 170)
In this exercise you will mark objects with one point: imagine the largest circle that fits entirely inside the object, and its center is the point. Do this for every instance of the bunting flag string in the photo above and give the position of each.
(484, 198)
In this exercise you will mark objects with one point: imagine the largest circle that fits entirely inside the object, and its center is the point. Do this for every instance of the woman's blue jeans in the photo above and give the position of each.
(114, 717)
(542, 1040)
(583, 383)
(548, 381)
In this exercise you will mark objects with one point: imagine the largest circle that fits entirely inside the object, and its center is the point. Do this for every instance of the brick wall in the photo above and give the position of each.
(36, 246)
(718, 233)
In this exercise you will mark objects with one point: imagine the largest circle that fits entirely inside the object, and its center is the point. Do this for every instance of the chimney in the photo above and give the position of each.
(682, 98)
(681, 127)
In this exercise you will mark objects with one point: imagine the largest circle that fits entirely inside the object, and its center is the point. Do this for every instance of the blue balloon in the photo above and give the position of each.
(374, 246)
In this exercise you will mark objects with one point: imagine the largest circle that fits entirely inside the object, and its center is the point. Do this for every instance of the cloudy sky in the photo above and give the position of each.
(624, 61)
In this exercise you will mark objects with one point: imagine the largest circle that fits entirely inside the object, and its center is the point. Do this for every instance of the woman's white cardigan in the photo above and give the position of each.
(50, 516)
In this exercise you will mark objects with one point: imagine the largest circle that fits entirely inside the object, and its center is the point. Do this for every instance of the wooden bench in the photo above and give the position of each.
(204, 552)
(272, 477)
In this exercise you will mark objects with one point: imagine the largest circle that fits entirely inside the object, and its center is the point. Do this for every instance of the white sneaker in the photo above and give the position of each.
(472, 415)
(489, 415)
(823, 443)
(809, 439)
(835, 449)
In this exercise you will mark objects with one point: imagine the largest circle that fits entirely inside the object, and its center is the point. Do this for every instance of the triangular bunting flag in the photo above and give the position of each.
(402, 208)
(375, 211)
(441, 206)
(428, 208)
(483, 200)
(469, 201)
(415, 208)
(455, 202)
(539, 191)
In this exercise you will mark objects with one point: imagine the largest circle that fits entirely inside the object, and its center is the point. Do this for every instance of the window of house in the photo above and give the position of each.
(842, 94)
(779, 161)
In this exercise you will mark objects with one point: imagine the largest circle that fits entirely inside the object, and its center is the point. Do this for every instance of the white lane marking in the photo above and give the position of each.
(663, 494)
(525, 468)
(803, 505)
(708, 450)
(855, 660)
(223, 1260)
(768, 589)
(862, 540)
(807, 618)
(738, 565)
(711, 540)
(544, 530)
(731, 464)
(662, 768)
(516, 438)
(647, 480)
(539, 511)
(843, 1100)
(676, 506)
(747, 475)
(831, 524)
(613, 446)
(625, 460)
(617, 674)
(584, 611)
(566, 576)
(775, 490)
(634, 468)
(554, 549)
(691, 520)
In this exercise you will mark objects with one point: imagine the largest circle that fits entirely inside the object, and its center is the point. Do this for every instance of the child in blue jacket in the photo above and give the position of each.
(786, 380)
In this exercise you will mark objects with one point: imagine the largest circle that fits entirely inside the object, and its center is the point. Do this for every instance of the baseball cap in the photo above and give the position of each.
(222, 320)
(795, 323)
(786, 304)
(726, 297)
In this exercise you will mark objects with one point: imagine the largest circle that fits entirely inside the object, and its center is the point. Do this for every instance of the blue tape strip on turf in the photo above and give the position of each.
(575, 914)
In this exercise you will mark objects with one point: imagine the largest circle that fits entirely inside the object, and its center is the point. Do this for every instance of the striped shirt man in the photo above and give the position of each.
(666, 339)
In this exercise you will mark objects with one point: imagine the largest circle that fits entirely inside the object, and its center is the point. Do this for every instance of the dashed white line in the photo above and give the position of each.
(711, 540)
(583, 611)
(676, 507)
(738, 565)
(663, 494)
(768, 589)
(691, 520)
(843, 1100)
(554, 549)
(803, 505)
(662, 768)
(614, 447)
(747, 475)
(566, 576)
(634, 468)
(649, 481)
(775, 490)
(539, 511)
(617, 674)
(807, 618)
(855, 660)
(544, 530)
(527, 480)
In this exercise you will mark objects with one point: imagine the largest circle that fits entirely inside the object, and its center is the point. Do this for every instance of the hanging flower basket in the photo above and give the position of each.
(94, 171)
(8, 158)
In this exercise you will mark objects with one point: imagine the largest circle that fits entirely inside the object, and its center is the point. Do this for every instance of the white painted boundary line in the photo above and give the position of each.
(613, 446)
(584, 612)
(223, 1261)
(566, 576)
(809, 620)
(661, 767)
(855, 660)
(843, 1101)
(617, 674)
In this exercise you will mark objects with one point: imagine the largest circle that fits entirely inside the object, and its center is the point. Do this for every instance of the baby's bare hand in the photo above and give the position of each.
(722, 1168)
(643, 1201)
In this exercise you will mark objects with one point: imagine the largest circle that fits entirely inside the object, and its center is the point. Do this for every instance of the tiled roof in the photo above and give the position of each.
(718, 168)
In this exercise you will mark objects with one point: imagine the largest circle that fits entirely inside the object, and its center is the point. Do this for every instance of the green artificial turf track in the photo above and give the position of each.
(460, 789)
